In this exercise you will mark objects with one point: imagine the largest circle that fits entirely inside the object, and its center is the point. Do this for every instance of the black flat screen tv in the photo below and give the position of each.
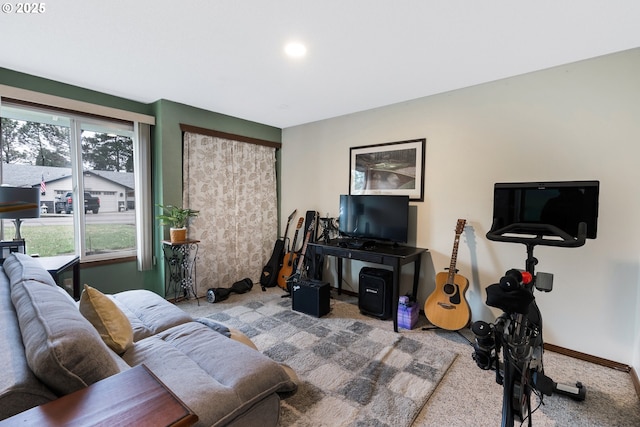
(374, 217)
(562, 204)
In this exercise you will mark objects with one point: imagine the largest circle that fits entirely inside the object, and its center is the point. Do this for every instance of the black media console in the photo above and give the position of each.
(392, 255)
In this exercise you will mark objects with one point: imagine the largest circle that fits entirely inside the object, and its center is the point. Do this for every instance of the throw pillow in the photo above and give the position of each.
(237, 335)
(110, 322)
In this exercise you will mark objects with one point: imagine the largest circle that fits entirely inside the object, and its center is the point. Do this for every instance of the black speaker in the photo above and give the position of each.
(311, 297)
(375, 292)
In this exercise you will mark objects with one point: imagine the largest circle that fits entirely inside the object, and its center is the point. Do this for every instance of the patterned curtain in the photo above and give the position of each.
(233, 185)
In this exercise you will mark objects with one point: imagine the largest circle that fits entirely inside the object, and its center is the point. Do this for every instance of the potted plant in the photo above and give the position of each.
(177, 219)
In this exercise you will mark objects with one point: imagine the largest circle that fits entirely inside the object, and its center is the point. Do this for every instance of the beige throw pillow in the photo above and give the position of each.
(237, 335)
(110, 322)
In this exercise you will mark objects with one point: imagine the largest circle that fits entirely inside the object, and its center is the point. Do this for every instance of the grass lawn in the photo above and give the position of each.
(58, 239)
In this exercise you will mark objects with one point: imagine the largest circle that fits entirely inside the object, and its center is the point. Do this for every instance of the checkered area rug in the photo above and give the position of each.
(354, 370)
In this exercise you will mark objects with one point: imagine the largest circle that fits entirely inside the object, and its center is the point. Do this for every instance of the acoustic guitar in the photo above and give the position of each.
(289, 260)
(269, 276)
(447, 307)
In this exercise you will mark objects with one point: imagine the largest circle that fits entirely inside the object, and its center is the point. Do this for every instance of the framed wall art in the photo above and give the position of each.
(390, 168)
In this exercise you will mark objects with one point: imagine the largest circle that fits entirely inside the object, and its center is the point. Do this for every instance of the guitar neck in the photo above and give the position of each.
(303, 253)
(286, 229)
(295, 235)
(304, 247)
(454, 253)
(454, 259)
(294, 241)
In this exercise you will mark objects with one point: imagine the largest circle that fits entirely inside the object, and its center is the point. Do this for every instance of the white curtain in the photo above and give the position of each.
(233, 185)
(144, 207)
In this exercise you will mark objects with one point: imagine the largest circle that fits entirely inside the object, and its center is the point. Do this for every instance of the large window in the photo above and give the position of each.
(85, 170)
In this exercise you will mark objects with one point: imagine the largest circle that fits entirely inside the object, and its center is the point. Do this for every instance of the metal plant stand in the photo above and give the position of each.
(180, 273)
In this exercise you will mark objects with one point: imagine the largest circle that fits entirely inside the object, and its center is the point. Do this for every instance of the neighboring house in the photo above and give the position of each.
(115, 189)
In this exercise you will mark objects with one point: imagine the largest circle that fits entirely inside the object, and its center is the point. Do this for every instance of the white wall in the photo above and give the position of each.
(636, 345)
(575, 122)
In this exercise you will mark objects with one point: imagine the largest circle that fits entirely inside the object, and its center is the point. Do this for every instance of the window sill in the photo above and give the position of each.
(100, 262)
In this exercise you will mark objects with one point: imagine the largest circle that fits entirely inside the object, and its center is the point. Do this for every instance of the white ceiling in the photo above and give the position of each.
(227, 56)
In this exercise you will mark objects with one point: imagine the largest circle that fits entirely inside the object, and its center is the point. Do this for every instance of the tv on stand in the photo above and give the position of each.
(365, 220)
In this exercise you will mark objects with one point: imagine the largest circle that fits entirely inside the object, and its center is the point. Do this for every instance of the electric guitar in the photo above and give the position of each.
(300, 272)
(289, 259)
(447, 307)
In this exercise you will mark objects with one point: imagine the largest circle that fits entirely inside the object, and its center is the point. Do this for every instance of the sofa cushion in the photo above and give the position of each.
(233, 377)
(110, 322)
(19, 388)
(63, 349)
(148, 312)
(19, 267)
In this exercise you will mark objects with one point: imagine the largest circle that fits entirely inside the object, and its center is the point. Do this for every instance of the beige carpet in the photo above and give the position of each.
(465, 396)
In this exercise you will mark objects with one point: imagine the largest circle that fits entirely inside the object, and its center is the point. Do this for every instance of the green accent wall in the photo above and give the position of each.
(52, 87)
(166, 165)
(167, 150)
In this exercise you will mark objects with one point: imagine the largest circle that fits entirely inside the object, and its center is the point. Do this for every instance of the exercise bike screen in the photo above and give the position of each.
(562, 204)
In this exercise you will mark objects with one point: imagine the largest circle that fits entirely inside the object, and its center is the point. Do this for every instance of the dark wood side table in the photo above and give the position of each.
(56, 265)
(135, 397)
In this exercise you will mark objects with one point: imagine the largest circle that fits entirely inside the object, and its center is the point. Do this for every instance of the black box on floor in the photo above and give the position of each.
(375, 292)
(311, 297)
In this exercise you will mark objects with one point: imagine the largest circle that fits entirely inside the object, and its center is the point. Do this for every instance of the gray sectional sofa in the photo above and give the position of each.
(49, 349)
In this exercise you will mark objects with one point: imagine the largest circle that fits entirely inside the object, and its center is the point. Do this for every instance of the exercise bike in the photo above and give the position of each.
(517, 333)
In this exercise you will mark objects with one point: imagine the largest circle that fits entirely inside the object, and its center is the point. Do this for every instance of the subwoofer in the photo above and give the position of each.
(375, 292)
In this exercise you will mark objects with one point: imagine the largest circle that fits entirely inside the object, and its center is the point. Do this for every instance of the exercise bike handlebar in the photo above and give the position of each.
(539, 231)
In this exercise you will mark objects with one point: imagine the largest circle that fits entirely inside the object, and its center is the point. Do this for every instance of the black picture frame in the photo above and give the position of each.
(394, 168)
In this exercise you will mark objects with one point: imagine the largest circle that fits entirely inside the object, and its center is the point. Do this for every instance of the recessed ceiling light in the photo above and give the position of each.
(295, 50)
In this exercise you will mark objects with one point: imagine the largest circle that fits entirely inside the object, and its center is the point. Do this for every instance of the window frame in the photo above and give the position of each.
(83, 112)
